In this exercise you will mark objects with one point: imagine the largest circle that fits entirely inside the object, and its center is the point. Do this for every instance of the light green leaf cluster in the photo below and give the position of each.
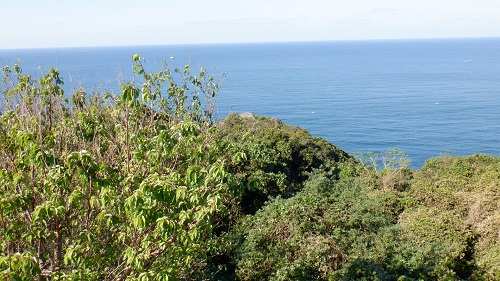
(107, 189)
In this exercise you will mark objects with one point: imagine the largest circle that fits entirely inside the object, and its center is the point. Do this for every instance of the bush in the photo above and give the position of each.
(276, 158)
(466, 188)
(313, 234)
(107, 189)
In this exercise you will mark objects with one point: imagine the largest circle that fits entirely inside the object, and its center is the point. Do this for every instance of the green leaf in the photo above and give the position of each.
(180, 193)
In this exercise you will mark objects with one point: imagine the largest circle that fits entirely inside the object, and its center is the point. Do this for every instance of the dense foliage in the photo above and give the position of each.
(444, 226)
(107, 187)
(277, 158)
(145, 185)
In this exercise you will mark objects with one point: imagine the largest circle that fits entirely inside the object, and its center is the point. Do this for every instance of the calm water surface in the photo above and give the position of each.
(426, 97)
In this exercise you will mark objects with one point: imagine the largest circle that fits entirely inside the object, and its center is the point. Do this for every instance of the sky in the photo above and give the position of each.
(81, 23)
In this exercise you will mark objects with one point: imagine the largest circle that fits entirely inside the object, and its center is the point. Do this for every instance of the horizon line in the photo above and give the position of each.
(253, 42)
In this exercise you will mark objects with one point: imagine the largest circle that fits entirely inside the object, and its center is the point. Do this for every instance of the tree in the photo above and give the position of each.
(107, 187)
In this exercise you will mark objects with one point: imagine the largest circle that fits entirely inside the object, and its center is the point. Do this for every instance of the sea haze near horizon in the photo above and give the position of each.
(425, 97)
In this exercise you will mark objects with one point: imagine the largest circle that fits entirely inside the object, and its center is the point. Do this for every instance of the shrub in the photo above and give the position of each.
(107, 189)
(277, 158)
(313, 234)
(467, 189)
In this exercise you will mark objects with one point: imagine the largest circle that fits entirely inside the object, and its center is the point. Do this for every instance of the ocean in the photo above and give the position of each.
(427, 97)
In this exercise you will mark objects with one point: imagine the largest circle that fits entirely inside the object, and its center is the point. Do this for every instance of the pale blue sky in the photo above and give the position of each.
(73, 23)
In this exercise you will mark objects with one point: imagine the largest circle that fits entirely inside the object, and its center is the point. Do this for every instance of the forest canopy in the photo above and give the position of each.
(146, 184)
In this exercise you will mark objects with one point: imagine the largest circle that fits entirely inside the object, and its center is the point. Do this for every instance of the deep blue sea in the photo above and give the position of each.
(425, 97)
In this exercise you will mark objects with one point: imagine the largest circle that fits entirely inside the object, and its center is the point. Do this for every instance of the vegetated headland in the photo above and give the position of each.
(147, 185)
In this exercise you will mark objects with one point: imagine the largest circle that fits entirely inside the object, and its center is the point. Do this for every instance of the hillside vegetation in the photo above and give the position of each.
(146, 185)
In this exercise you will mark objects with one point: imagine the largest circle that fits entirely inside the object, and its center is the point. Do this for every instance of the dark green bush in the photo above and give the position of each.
(313, 234)
(277, 158)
